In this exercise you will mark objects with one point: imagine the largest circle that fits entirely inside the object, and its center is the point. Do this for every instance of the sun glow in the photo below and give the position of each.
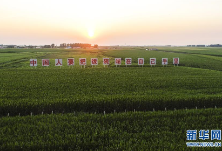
(111, 22)
(91, 33)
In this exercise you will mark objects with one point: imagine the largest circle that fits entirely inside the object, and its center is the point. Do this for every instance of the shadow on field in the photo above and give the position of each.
(111, 106)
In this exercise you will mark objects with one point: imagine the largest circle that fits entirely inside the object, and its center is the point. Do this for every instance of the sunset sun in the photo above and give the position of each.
(91, 33)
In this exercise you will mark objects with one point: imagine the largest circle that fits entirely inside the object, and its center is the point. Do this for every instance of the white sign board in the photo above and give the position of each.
(94, 61)
(33, 62)
(152, 61)
(105, 61)
(45, 62)
(117, 61)
(164, 61)
(58, 62)
(140, 61)
(70, 61)
(175, 61)
(128, 61)
(82, 61)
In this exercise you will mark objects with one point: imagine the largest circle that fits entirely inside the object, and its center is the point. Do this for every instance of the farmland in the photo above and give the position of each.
(116, 131)
(66, 101)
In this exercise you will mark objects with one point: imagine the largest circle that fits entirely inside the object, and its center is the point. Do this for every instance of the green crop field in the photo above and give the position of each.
(116, 131)
(108, 108)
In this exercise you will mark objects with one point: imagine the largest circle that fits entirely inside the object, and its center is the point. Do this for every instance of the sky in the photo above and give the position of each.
(116, 22)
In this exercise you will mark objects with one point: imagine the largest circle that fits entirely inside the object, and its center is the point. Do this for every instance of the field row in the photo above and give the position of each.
(198, 58)
(120, 131)
(96, 90)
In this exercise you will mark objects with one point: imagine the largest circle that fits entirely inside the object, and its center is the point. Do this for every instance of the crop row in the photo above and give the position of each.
(124, 131)
(191, 57)
(96, 90)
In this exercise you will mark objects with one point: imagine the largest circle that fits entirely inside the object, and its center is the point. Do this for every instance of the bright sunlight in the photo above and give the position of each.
(91, 33)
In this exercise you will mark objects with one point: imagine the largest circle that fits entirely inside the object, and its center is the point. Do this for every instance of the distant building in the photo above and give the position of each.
(22, 46)
(68, 47)
(215, 45)
(10, 46)
(200, 45)
(63, 45)
(31, 47)
(196, 45)
(191, 45)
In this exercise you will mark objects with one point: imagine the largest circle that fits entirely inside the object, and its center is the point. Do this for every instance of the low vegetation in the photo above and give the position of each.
(111, 108)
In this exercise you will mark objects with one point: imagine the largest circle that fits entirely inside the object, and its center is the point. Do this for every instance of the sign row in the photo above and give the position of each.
(106, 61)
